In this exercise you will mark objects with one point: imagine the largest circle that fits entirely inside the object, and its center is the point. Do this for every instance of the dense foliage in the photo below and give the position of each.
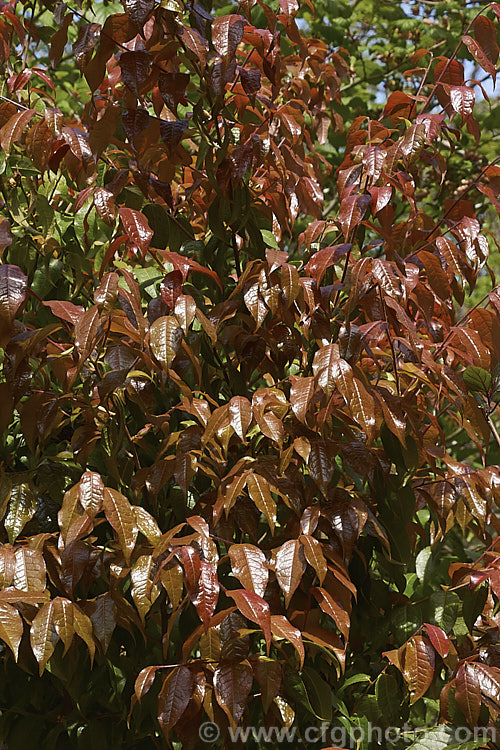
(250, 452)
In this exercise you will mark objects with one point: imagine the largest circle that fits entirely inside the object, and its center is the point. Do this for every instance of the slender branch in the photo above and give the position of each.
(391, 343)
(236, 253)
(450, 60)
(493, 429)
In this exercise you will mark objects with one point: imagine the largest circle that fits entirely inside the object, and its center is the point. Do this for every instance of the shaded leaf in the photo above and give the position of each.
(86, 328)
(135, 67)
(172, 132)
(477, 379)
(102, 612)
(88, 37)
(138, 10)
(174, 696)
(268, 674)
(468, 693)
(232, 684)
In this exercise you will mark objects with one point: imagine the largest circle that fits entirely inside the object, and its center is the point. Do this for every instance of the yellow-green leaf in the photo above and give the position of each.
(22, 508)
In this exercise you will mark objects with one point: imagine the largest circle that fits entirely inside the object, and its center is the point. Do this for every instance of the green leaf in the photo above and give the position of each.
(319, 692)
(388, 696)
(423, 563)
(443, 609)
(473, 603)
(269, 238)
(443, 736)
(477, 379)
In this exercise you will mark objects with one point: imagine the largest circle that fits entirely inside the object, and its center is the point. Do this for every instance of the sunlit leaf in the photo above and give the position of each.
(289, 567)
(43, 635)
(22, 508)
(121, 517)
(249, 565)
(165, 336)
(11, 627)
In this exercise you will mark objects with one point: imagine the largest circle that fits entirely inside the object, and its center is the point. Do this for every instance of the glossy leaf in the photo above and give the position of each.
(439, 639)
(43, 635)
(240, 415)
(207, 594)
(121, 517)
(314, 555)
(249, 565)
(174, 697)
(137, 228)
(260, 493)
(165, 337)
(468, 693)
(289, 567)
(11, 627)
(418, 666)
(254, 608)
(232, 684)
(22, 507)
(13, 288)
(91, 492)
(227, 33)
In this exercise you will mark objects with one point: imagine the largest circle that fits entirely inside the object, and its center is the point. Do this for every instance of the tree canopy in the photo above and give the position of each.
(250, 371)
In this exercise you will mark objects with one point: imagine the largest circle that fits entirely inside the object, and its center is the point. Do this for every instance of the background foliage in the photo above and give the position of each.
(250, 344)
